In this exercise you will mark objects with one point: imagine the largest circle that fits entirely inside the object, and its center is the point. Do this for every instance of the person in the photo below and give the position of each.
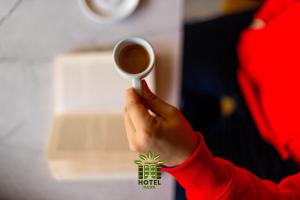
(269, 79)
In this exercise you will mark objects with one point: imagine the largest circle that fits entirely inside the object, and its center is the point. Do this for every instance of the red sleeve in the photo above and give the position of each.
(206, 177)
(272, 8)
(252, 99)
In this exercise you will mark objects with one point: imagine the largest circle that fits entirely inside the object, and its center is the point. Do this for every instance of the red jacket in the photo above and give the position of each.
(206, 177)
(269, 77)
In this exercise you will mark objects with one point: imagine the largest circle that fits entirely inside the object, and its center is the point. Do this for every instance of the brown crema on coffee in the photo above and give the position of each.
(134, 59)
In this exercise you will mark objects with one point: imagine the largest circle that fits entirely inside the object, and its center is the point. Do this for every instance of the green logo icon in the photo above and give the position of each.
(149, 170)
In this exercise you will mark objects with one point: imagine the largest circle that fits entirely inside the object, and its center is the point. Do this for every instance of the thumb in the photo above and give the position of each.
(154, 103)
(138, 113)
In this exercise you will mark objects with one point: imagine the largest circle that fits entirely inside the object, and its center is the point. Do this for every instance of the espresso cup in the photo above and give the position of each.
(135, 76)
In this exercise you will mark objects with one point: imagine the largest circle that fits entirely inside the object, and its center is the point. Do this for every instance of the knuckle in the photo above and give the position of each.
(140, 144)
(124, 112)
(143, 141)
(173, 110)
(151, 96)
(156, 124)
(132, 104)
(133, 148)
(149, 123)
(145, 138)
(129, 92)
(136, 148)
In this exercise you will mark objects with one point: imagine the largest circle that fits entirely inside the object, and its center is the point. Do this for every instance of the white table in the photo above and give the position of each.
(31, 33)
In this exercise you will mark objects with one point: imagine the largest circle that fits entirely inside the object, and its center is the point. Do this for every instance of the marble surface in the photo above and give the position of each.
(32, 32)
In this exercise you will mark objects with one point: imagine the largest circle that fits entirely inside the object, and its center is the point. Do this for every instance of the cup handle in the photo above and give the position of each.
(137, 85)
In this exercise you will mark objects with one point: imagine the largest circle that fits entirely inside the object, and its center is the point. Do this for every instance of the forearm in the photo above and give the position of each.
(201, 174)
(206, 177)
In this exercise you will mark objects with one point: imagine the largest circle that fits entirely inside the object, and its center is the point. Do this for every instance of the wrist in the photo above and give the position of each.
(181, 156)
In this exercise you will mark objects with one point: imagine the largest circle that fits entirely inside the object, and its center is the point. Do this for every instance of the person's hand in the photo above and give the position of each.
(164, 131)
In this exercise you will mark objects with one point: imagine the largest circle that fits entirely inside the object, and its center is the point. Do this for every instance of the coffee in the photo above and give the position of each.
(134, 59)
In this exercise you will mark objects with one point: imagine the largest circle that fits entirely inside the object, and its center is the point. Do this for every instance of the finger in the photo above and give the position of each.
(138, 113)
(130, 129)
(154, 103)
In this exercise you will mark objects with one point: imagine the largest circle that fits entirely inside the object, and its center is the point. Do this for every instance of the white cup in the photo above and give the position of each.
(135, 78)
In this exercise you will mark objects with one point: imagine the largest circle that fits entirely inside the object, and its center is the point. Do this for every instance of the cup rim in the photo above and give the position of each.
(151, 54)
